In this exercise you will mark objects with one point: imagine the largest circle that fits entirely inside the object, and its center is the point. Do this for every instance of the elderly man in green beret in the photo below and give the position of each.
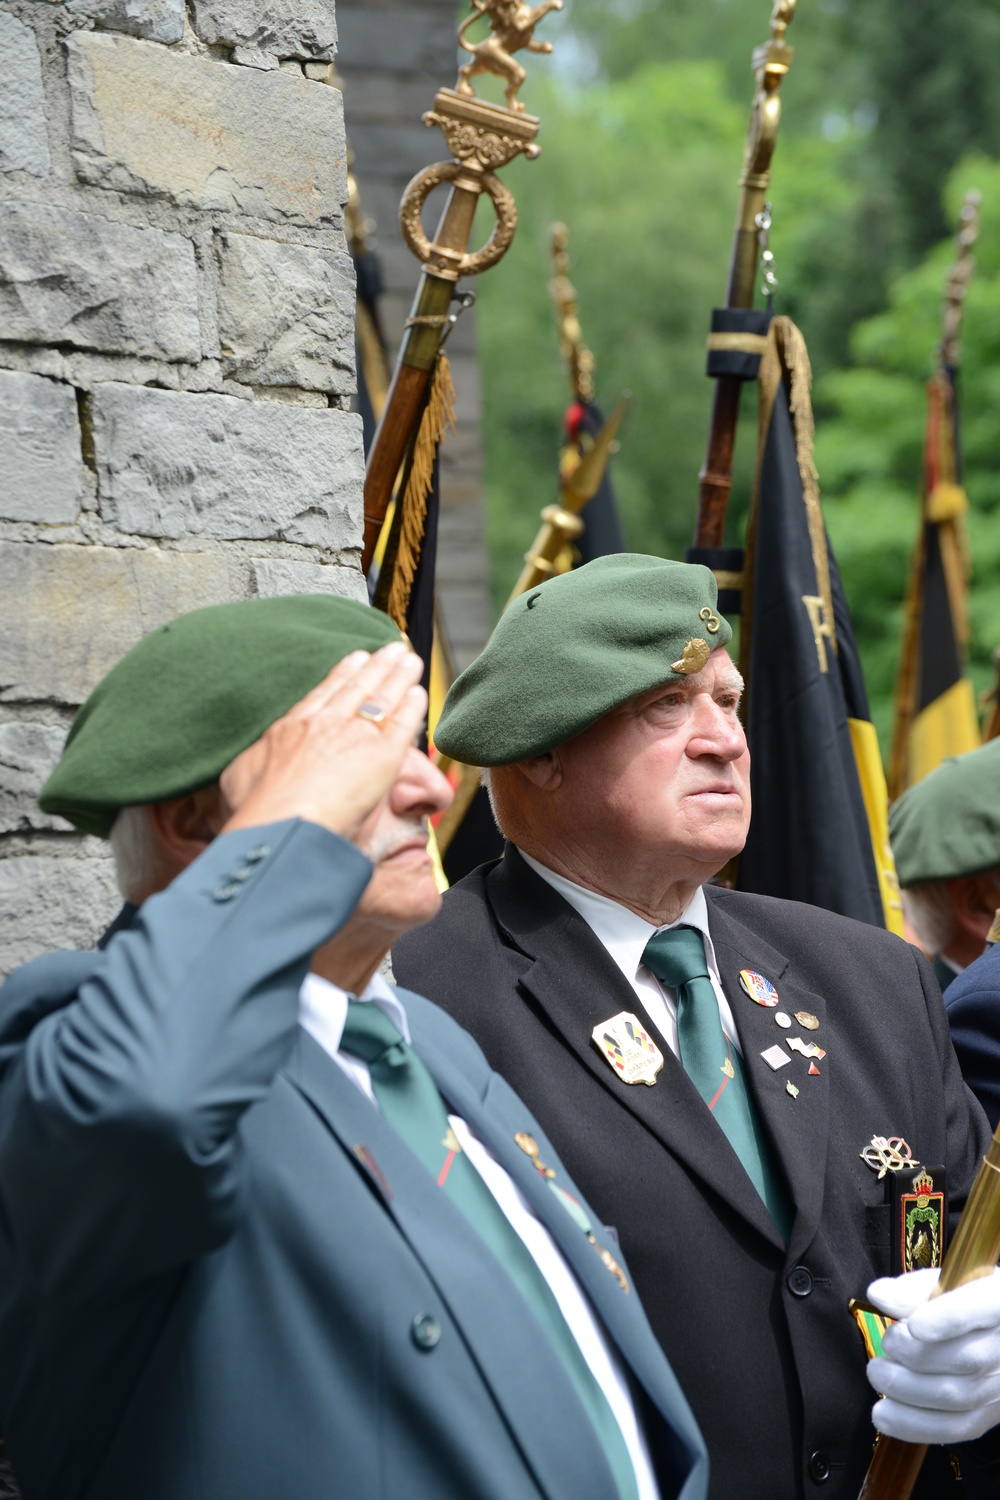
(945, 834)
(713, 1066)
(270, 1229)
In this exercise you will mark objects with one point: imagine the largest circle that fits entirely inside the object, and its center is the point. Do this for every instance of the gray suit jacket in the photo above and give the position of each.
(223, 1276)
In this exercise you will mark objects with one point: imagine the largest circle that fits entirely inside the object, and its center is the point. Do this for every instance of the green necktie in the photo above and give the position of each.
(409, 1099)
(715, 1067)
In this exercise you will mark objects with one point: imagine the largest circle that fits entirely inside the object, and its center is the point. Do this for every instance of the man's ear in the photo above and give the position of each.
(185, 826)
(974, 901)
(543, 771)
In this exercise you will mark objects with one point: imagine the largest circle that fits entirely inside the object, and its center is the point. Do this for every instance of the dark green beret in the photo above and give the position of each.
(192, 695)
(571, 650)
(949, 823)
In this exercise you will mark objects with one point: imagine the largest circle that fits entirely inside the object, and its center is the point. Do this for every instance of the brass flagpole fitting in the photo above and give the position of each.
(770, 62)
(958, 279)
(482, 137)
(578, 359)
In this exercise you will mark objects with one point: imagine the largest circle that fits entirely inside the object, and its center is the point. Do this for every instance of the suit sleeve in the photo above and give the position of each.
(973, 1006)
(119, 1116)
(967, 1128)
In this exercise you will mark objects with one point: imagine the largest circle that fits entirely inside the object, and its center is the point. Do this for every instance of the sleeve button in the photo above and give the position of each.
(255, 855)
(426, 1331)
(225, 891)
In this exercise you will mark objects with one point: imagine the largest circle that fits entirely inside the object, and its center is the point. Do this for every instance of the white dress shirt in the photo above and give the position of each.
(323, 1013)
(625, 935)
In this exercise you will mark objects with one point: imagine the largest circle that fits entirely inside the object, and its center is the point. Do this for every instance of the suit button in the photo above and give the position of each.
(426, 1331)
(226, 891)
(255, 855)
(819, 1466)
(799, 1282)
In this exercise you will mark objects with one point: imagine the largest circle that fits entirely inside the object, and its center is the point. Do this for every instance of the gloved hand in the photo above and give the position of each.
(940, 1379)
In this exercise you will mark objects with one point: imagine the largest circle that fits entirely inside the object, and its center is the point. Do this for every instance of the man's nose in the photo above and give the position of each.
(716, 731)
(420, 789)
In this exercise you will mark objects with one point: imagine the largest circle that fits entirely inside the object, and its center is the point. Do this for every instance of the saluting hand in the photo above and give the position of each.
(323, 761)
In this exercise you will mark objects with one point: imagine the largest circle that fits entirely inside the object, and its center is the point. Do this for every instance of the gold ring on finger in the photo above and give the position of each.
(371, 712)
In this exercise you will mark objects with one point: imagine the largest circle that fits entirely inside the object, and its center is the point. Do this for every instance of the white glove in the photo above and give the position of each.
(940, 1379)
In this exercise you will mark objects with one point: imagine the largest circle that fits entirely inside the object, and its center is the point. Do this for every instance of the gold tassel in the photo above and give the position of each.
(439, 414)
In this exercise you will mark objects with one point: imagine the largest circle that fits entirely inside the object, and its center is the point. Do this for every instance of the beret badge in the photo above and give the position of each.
(694, 656)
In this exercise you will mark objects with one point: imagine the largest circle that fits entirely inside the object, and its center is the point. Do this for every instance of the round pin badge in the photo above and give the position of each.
(783, 1020)
(760, 990)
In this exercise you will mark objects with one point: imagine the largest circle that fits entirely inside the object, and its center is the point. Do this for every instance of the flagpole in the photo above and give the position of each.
(482, 138)
(771, 62)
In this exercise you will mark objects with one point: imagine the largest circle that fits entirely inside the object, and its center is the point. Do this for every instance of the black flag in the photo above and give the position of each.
(819, 831)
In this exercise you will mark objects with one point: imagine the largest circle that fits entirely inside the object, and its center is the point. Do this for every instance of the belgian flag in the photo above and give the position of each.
(935, 704)
(819, 831)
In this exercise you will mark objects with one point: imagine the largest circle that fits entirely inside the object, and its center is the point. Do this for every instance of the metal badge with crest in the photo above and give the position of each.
(628, 1048)
(919, 1218)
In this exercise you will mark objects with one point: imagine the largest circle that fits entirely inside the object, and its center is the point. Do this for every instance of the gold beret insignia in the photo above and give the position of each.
(696, 654)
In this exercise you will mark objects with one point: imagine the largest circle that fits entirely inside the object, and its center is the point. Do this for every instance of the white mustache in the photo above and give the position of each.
(386, 842)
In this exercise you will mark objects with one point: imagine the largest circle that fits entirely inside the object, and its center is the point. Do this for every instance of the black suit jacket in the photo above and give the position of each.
(758, 1332)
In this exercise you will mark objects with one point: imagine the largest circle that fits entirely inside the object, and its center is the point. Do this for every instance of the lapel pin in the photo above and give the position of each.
(807, 1019)
(791, 1089)
(728, 1069)
(887, 1154)
(628, 1049)
(782, 1019)
(804, 1049)
(775, 1057)
(608, 1260)
(813, 1068)
(760, 990)
(529, 1146)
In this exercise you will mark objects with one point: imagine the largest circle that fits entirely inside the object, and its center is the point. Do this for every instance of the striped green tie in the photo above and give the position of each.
(715, 1067)
(409, 1099)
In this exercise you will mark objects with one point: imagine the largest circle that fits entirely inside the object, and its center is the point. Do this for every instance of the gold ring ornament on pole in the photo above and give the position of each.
(441, 260)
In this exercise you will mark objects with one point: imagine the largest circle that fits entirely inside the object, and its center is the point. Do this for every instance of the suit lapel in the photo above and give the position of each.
(514, 1358)
(797, 1125)
(577, 985)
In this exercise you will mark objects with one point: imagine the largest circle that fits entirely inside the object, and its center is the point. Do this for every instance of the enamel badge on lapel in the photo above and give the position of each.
(529, 1146)
(628, 1049)
(760, 990)
(920, 1218)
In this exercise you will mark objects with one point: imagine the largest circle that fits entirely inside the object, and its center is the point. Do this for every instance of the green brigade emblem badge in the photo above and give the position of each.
(920, 1219)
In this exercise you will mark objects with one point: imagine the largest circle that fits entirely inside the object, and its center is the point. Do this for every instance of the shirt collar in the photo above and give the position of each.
(323, 1008)
(622, 931)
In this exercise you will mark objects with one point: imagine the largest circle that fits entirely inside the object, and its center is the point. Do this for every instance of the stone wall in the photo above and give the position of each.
(394, 56)
(176, 366)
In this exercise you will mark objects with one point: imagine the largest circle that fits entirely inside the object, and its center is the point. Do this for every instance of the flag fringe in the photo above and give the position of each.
(439, 415)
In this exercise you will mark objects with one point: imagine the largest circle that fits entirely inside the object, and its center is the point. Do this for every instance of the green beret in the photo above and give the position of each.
(574, 648)
(192, 695)
(949, 823)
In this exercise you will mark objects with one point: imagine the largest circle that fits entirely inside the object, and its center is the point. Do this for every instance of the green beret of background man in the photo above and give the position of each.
(711, 1064)
(945, 834)
(269, 1228)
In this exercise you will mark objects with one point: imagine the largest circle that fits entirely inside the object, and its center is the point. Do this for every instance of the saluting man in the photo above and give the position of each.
(269, 1229)
(713, 1067)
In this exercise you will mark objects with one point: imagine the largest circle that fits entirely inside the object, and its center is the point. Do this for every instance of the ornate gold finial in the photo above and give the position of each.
(770, 63)
(959, 277)
(578, 358)
(512, 28)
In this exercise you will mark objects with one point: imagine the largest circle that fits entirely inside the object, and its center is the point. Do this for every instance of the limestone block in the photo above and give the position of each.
(41, 472)
(172, 464)
(405, 40)
(280, 28)
(71, 278)
(54, 901)
(67, 613)
(286, 314)
(281, 575)
(28, 752)
(24, 142)
(158, 20)
(203, 133)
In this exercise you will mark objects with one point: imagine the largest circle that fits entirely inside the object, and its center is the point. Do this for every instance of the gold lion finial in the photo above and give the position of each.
(512, 29)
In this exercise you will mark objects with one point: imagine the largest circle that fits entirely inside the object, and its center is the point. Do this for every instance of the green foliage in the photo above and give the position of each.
(869, 449)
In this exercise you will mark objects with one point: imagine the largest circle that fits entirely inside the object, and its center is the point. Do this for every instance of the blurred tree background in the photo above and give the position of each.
(891, 111)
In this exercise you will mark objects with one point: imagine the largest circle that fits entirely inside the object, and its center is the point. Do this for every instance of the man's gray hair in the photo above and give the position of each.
(138, 862)
(929, 911)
